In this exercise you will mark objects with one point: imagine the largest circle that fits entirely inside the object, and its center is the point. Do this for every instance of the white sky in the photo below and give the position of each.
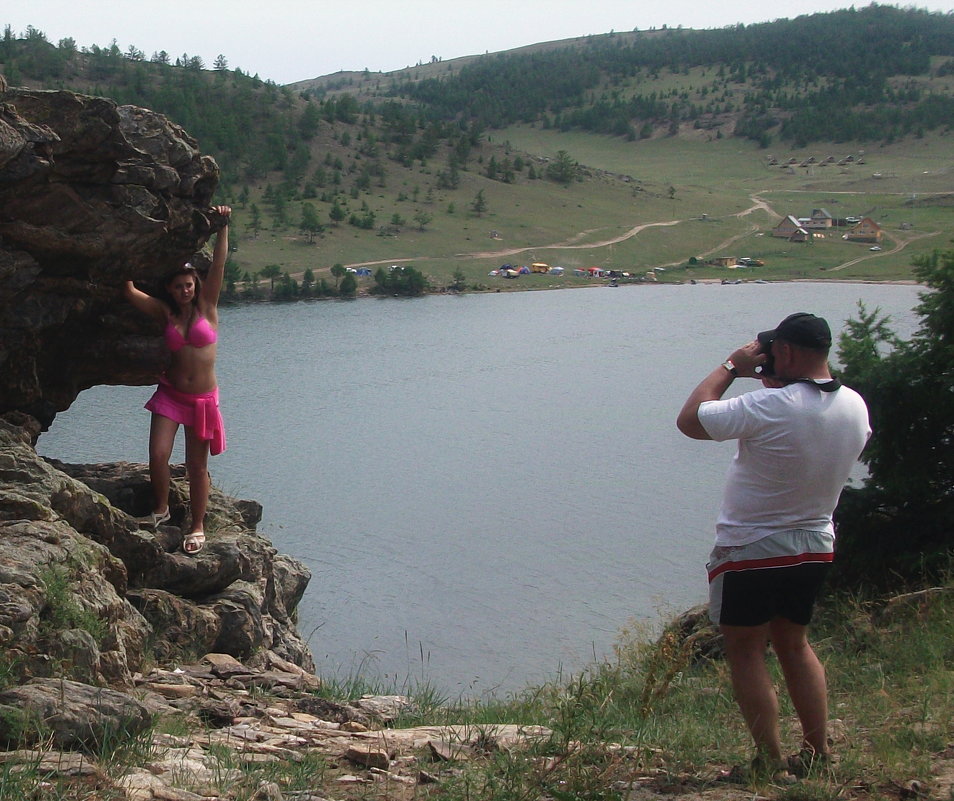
(292, 40)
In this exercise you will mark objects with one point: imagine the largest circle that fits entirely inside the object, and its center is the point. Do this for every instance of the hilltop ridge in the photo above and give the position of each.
(464, 156)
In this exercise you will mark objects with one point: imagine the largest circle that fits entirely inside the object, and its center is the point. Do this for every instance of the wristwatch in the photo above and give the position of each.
(727, 364)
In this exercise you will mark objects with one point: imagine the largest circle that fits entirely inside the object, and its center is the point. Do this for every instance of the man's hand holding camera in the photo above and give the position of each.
(747, 358)
(754, 360)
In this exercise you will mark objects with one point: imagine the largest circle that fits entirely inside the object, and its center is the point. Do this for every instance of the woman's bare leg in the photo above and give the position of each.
(197, 467)
(162, 435)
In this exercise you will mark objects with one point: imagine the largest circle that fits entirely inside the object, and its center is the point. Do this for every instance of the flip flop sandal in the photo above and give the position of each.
(154, 519)
(193, 543)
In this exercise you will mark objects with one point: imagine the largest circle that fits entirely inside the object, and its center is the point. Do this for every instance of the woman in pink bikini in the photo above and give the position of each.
(188, 393)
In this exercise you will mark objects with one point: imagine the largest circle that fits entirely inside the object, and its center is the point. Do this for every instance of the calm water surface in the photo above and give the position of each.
(486, 488)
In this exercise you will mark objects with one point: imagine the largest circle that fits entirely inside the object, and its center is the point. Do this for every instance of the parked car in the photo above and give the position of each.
(875, 247)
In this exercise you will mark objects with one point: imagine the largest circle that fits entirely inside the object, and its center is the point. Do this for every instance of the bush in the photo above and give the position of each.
(895, 530)
(399, 281)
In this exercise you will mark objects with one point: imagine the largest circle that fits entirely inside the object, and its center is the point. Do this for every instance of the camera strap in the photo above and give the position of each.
(825, 386)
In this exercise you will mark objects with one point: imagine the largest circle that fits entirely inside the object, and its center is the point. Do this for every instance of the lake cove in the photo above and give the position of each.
(487, 487)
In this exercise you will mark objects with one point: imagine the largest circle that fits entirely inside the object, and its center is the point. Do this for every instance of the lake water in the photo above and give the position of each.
(486, 488)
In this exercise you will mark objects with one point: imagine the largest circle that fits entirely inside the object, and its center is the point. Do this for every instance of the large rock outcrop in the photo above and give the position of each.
(86, 593)
(91, 194)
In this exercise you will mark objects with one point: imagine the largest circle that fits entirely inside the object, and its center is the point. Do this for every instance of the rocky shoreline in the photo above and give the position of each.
(110, 629)
(74, 560)
(241, 722)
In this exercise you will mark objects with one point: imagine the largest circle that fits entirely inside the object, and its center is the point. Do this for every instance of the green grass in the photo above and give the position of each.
(891, 689)
(62, 609)
(706, 187)
(649, 715)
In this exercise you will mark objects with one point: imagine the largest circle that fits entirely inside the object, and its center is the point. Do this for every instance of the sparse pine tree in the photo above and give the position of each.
(479, 204)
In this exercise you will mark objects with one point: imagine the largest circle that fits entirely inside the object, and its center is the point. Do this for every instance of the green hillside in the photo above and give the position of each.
(630, 151)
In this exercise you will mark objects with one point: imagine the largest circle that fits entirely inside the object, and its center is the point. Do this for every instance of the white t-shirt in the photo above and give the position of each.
(797, 447)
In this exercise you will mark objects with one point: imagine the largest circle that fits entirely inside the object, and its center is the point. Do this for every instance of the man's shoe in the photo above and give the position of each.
(808, 761)
(759, 770)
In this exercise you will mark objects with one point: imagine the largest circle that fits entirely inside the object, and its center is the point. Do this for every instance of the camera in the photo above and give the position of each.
(767, 368)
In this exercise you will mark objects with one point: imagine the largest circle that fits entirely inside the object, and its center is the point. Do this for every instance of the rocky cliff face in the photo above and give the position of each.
(92, 194)
(86, 593)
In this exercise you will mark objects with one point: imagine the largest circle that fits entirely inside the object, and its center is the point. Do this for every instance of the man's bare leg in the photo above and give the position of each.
(805, 680)
(745, 648)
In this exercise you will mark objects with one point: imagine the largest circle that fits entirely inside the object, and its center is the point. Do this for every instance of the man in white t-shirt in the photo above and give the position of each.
(798, 438)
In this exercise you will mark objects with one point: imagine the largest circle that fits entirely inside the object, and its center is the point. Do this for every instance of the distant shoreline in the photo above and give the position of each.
(511, 287)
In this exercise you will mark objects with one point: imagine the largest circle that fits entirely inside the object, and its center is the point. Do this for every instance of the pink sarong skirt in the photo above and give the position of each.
(198, 411)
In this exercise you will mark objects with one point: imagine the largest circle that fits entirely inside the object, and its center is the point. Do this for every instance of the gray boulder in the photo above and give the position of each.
(69, 715)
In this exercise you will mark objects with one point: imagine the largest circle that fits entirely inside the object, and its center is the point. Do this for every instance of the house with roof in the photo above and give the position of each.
(867, 231)
(791, 229)
(819, 221)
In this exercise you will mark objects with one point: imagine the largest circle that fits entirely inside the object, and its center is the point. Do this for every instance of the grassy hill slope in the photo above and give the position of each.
(691, 179)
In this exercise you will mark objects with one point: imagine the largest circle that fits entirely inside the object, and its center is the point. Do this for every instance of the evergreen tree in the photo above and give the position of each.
(349, 286)
(896, 528)
(271, 272)
(422, 218)
(406, 281)
(339, 272)
(563, 169)
(479, 204)
(337, 213)
(310, 223)
(256, 222)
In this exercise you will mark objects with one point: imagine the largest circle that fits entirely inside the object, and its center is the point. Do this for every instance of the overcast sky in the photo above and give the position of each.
(292, 40)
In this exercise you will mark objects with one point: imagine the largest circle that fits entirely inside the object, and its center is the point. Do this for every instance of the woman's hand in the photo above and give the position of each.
(212, 284)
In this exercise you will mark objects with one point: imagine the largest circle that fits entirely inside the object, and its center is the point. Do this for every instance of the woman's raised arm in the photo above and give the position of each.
(212, 284)
(147, 304)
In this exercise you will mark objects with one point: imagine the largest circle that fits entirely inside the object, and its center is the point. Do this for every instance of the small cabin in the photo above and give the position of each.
(867, 231)
(791, 229)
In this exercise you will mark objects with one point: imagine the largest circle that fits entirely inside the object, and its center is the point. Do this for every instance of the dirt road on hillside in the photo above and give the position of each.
(758, 204)
(898, 245)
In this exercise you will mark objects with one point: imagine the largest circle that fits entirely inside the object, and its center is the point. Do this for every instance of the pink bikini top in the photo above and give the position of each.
(200, 334)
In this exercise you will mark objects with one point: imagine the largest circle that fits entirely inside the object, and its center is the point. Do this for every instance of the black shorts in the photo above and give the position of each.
(779, 576)
(754, 597)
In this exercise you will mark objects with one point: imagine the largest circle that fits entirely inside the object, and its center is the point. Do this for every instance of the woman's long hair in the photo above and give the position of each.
(166, 297)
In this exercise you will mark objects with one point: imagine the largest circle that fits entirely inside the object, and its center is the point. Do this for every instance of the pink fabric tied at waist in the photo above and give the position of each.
(198, 411)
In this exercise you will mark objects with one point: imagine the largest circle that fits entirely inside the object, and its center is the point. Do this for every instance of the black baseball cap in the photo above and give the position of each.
(802, 329)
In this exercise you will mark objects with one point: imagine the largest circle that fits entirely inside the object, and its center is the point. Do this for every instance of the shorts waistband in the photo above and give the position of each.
(784, 549)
